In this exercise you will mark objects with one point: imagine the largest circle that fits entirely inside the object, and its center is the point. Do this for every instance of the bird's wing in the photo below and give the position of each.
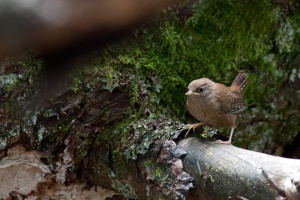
(231, 103)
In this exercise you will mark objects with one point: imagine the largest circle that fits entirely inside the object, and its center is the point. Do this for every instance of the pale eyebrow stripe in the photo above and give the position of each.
(204, 85)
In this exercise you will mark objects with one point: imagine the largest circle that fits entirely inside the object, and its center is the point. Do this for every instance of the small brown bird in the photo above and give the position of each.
(216, 105)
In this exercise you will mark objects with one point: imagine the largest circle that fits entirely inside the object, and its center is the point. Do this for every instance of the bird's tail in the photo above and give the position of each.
(239, 82)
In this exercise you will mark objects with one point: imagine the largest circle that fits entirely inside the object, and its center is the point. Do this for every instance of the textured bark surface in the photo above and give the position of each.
(91, 137)
(228, 172)
(86, 138)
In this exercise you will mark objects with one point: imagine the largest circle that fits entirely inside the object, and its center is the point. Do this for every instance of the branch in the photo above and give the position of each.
(225, 171)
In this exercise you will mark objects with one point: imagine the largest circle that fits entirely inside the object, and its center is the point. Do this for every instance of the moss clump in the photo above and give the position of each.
(218, 40)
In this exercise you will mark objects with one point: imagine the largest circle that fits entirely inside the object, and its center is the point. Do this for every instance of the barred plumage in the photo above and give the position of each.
(239, 82)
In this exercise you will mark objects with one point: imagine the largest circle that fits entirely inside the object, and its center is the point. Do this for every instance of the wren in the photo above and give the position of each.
(216, 105)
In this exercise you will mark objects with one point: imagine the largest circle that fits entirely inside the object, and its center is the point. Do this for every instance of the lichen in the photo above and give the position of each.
(159, 176)
(145, 132)
(14, 74)
(7, 81)
(125, 189)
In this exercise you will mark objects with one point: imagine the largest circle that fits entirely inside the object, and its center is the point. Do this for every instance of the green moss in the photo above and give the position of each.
(221, 38)
(31, 63)
(158, 174)
(160, 60)
(9, 81)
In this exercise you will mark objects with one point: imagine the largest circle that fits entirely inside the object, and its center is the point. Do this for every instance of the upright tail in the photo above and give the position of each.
(239, 82)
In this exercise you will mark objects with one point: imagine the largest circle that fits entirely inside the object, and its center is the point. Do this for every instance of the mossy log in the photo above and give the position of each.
(93, 134)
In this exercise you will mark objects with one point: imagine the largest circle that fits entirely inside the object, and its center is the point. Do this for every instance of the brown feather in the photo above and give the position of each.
(239, 82)
(215, 104)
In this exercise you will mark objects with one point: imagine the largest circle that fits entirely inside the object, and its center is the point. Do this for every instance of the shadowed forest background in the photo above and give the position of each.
(120, 99)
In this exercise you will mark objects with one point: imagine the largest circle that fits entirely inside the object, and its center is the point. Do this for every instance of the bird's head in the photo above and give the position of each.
(200, 88)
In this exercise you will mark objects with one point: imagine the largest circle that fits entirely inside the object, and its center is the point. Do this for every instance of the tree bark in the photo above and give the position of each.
(228, 172)
(94, 135)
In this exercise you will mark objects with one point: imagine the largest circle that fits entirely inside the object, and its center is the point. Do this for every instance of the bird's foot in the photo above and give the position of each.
(223, 142)
(193, 126)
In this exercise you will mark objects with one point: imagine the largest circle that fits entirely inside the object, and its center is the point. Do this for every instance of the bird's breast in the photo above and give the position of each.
(209, 113)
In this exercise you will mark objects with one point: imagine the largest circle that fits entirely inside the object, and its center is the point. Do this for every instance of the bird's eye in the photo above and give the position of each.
(200, 89)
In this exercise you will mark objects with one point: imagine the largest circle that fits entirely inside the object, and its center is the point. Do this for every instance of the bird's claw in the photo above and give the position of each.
(192, 126)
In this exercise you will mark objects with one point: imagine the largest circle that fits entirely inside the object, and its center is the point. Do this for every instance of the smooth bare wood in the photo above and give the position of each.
(228, 172)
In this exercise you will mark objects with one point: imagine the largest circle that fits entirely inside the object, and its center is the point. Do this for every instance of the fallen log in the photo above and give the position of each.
(229, 172)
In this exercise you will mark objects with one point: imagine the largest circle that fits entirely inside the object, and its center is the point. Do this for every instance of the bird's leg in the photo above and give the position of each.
(194, 127)
(230, 138)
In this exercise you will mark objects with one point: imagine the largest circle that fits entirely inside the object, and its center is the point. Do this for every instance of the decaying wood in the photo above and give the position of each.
(228, 172)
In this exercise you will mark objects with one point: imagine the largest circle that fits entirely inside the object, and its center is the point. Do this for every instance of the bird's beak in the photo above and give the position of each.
(189, 93)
